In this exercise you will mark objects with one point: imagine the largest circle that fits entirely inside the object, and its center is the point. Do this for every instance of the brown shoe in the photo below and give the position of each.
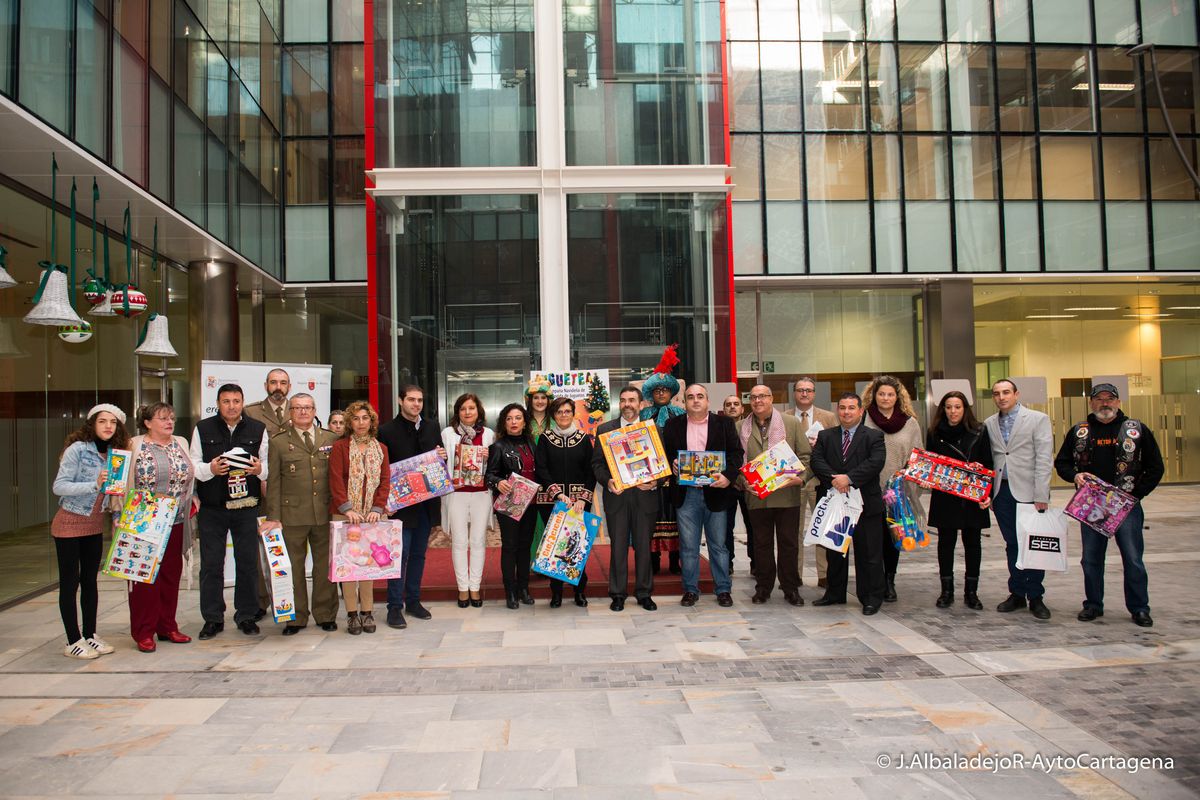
(353, 624)
(368, 621)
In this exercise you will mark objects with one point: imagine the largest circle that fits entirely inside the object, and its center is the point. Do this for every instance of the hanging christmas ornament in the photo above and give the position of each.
(75, 334)
(105, 307)
(94, 287)
(155, 340)
(6, 280)
(93, 290)
(52, 304)
(128, 300)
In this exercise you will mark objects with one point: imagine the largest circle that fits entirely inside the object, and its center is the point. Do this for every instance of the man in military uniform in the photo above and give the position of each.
(298, 501)
(272, 410)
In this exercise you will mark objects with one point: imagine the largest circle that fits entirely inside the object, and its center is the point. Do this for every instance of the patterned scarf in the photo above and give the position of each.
(468, 432)
(775, 429)
(363, 480)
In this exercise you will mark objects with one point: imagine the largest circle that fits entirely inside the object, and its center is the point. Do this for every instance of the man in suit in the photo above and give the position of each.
(298, 501)
(852, 455)
(630, 514)
(272, 410)
(807, 413)
(1022, 455)
(703, 508)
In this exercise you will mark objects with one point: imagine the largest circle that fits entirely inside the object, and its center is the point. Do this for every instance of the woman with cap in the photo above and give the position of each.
(162, 466)
(658, 390)
(78, 526)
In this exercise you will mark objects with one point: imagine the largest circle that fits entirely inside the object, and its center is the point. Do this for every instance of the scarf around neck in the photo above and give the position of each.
(775, 429)
(363, 477)
(468, 432)
(892, 424)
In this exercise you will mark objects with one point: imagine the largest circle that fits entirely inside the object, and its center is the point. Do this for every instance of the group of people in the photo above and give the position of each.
(301, 476)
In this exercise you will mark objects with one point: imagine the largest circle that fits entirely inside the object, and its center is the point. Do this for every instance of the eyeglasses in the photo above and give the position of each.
(805, 391)
(760, 397)
(303, 408)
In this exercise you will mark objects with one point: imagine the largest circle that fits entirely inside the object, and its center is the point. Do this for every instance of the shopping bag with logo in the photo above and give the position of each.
(834, 519)
(1041, 539)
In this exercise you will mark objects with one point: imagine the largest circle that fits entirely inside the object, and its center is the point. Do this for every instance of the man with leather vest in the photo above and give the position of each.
(230, 493)
(1120, 451)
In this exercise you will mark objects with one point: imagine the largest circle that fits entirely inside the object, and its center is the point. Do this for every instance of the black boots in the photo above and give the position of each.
(970, 598)
(946, 598)
(555, 595)
(889, 593)
(511, 599)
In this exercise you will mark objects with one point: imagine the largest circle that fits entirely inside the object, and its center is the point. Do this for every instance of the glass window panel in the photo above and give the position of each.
(928, 227)
(1064, 80)
(307, 163)
(350, 243)
(968, 20)
(977, 235)
(919, 19)
(1068, 168)
(45, 42)
(785, 237)
(780, 86)
(1128, 238)
(160, 140)
(190, 54)
(189, 165)
(270, 55)
(91, 79)
(7, 39)
(348, 22)
(743, 87)
(307, 20)
(833, 86)
(831, 19)
(306, 90)
(971, 89)
(1168, 178)
(889, 244)
(881, 19)
(349, 171)
(347, 89)
(1124, 169)
(925, 168)
(1119, 92)
(1177, 236)
(1018, 167)
(218, 189)
(885, 167)
(836, 241)
(836, 167)
(250, 222)
(746, 155)
(1014, 79)
(1021, 236)
(217, 25)
(923, 87)
(130, 18)
(975, 173)
(306, 243)
(1012, 20)
(1116, 21)
(160, 40)
(1169, 22)
(782, 167)
(1180, 77)
(777, 19)
(741, 19)
(747, 238)
(883, 87)
(1063, 21)
(1073, 236)
(129, 114)
(218, 94)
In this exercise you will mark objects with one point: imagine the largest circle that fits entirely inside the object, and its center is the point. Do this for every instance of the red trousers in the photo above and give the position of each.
(152, 605)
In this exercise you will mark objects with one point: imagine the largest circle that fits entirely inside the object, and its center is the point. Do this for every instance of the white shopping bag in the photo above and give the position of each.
(833, 520)
(1041, 539)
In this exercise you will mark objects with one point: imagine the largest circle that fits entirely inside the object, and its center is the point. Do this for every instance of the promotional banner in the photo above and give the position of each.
(311, 379)
(587, 387)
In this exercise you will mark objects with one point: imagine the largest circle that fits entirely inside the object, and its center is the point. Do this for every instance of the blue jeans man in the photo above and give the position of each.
(1129, 541)
(694, 516)
(406, 590)
(1025, 583)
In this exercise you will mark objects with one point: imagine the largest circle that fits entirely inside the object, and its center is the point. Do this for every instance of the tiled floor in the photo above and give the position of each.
(755, 701)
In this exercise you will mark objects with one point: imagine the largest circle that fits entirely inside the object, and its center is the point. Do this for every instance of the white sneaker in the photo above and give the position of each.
(99, 645)
(80, 649)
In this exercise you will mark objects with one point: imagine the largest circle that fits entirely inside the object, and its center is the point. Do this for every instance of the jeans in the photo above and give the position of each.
(694, 515)
(1021, 582)
(406, 590)
(1130, 543)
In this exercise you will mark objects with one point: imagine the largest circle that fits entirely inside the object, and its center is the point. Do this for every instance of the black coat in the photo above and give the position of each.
(504, 458)
(946, 511)
(404, 440)
(862, 464)
(564, 466)
(721, 436)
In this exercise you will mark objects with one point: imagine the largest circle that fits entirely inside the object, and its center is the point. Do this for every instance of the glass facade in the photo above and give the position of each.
(940, 136)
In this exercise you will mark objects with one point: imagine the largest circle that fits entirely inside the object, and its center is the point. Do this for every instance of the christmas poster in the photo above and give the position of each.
(587, 387)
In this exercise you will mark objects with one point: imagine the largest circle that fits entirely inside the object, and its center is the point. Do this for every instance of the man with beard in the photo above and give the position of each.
(272, 410)
(1120, 451)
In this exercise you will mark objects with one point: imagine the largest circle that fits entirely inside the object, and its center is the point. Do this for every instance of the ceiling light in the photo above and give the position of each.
(1092, 308)
(1146, 315)
(1051, 316)
(1184, 308)
(1105, 87)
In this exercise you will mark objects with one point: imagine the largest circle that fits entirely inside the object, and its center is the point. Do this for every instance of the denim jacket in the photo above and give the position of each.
(75, 483)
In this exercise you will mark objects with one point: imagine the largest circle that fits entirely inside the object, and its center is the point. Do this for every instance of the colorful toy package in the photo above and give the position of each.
(970, 481)
(279, 566)
(907, 533)
(1100, 505)
(635, 454)
(140, 537)
(417, 479)
(566, 544)
(365, 551)
(119, 464)
(469, 463)
(520, 496)
(770, 469)
(697, 467)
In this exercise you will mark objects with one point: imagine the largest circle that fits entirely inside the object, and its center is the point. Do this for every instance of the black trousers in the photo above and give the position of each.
(972, 551)
(516, 537)
(868, 564)
(242, 525)
(78, 566)
(891, 556)
(628, 526)
(741, 496)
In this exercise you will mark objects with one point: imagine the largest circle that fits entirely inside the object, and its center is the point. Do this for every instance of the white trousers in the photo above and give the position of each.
(467, 514)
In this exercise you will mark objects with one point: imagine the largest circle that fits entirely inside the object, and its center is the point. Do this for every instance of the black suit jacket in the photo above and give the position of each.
(862, 464)
(642, 500)
(721, 436)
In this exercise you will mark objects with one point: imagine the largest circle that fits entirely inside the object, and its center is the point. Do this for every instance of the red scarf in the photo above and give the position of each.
(892, 424)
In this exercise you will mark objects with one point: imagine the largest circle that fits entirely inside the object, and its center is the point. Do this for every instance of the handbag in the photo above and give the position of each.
(1041, 539)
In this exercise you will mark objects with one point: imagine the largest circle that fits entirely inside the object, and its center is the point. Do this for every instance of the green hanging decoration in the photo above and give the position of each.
(128, 300)
(95, 287)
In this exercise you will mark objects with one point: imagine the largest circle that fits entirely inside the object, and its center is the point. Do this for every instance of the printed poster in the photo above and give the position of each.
(577, 385)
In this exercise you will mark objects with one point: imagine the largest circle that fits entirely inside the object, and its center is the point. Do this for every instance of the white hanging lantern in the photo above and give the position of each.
(155, 341)
(8, 348)
(52, 304)
(6, 281)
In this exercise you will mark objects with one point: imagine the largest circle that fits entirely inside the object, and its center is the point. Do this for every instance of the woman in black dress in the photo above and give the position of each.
(564, 469)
